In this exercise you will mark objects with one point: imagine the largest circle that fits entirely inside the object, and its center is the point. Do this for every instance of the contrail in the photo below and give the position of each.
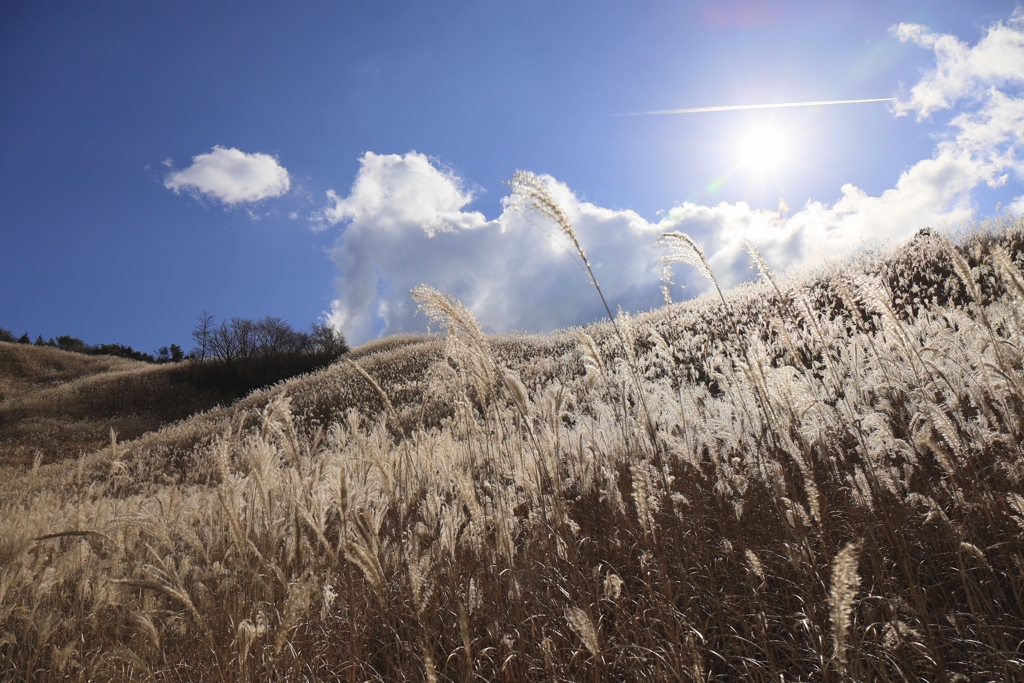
(746, 107)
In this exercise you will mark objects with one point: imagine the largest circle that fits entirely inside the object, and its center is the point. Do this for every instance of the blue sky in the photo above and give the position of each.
(322, 158)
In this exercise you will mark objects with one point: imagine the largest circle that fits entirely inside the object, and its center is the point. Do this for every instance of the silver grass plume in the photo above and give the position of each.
(591, 355)
(680, 248)
(376, 388)
(963, 270)
(666, 283)
(762, 267)
(754, 564)
(843, 590)
(466, 344)
(584, 627)
(871, 292)
(296, 606)
(1008, 271)
(969, 549)
(945, 427)
(449, 312)
(530, 191)
(613, 586)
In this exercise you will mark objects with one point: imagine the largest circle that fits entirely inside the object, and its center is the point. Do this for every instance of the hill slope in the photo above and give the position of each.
(814, 478)
(56, 405)
(30, 368)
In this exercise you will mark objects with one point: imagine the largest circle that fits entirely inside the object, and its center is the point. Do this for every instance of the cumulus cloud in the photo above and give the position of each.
(394, 191)
(231, 176)
(960, 70)
(986, 82)
(406, 220)
(407, 225)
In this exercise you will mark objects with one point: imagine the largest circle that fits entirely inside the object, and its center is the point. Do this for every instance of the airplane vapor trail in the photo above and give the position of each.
(747, 107)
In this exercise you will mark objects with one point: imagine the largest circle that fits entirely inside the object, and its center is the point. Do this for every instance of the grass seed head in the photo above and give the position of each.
(844, 585)
(583, 625)
(529, 191)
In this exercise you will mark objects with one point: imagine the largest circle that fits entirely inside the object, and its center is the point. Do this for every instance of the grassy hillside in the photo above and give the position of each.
(56, 404)
(813, 478)
(30, 368)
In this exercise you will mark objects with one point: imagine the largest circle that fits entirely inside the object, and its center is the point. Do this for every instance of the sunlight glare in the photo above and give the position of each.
(762, 149)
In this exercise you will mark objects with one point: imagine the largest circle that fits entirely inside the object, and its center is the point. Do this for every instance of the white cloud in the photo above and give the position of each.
(962, 71)
(407, 225)
(986, 81)
(393, 191)
(231, 176)
(407, 222)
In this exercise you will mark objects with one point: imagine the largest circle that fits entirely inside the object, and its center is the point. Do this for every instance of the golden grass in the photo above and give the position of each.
(59, 405)
(29, 368)
(825, 484)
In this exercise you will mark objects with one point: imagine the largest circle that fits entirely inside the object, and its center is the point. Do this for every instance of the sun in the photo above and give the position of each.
(762, 149)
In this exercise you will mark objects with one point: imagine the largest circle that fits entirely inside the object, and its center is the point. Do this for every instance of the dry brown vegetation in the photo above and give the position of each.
(55, 405)
(814, 478)
(29, 368)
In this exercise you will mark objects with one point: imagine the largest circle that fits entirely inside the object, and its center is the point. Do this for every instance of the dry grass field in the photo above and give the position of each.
(56, 405)
(817, 477)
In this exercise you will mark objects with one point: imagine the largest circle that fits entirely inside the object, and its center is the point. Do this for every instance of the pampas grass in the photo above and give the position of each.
(798, 480)
(842, 592)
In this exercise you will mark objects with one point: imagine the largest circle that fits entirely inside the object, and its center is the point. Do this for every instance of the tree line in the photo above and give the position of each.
(233, 356)
(241, 354)
(65, 342)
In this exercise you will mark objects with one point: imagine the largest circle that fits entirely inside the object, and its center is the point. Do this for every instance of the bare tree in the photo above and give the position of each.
(328, 340)
(201, 333)
(242, 354)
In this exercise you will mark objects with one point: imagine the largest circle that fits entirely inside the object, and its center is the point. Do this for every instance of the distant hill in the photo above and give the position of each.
(25, 368)
(58, 404)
